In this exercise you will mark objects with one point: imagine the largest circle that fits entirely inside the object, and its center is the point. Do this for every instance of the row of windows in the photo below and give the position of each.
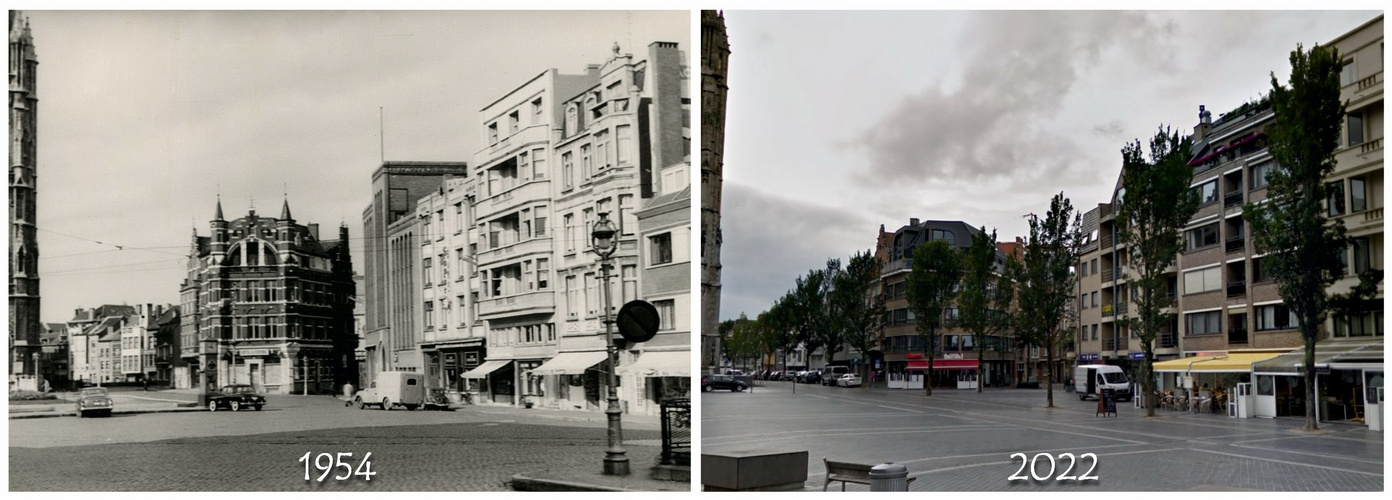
(591, 300)
(514, 120)
(1357, 196)
(592, 161)
(915, 343)
(540, 333)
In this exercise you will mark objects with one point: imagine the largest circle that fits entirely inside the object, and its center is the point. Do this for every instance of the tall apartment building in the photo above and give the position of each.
(715, 56)
(561, 150)
(137, 353)
(452, 338)
(270, 304)
(663, 368)
(955, 349)
(24, 245)
(1226, 306)
(389, 276)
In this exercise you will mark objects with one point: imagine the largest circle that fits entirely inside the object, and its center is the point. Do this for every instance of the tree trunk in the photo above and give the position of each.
(980, 367)
(928, 354)
(1148, 377)
(1311, 423)
(1049, 354)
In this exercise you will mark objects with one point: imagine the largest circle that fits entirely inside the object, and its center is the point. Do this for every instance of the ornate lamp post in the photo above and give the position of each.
(603, 236)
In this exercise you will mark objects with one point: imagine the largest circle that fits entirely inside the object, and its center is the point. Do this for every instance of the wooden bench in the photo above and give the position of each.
(847, 472)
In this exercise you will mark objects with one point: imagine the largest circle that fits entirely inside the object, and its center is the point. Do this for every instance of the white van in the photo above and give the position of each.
(390, 389)
(1089, 380)
(831, 373)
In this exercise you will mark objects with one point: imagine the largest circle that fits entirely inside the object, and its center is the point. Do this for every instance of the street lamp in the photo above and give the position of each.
(604, 241)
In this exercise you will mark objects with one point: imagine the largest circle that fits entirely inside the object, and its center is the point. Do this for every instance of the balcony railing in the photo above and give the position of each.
(1167, 340)
(1121, 308)
(1107, 310)
(1237, 335)
(1237, 288)
(1370, 146)
(1109, 343)
(531, 302)
(1233, 198)
(1107, 275)
(1235, 244)
(1372, 215)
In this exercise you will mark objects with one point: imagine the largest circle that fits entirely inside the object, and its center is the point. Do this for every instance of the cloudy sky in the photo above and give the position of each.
(145, 117)
(838, 122)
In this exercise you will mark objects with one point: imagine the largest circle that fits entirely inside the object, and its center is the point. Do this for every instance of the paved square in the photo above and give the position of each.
(959, 440)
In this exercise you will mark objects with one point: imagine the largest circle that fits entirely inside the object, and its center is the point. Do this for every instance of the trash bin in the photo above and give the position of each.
(889, 477)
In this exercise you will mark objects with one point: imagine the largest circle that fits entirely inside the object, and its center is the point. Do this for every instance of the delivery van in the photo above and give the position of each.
(831, 373)
(391, 389)
(1089, 380)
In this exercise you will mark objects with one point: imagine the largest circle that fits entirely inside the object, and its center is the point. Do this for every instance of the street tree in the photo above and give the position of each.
(986, 295)
(1303, 247)
(832, 331)
(857, 300)
(1153, 206)
(931, 286)
(778, 329)
(1044, 315)
(807, 309)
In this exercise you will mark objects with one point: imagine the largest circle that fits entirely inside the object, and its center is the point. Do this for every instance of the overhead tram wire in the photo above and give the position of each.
(118, 247)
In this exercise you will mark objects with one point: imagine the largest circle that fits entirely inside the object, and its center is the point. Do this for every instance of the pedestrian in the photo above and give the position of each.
(145, 385)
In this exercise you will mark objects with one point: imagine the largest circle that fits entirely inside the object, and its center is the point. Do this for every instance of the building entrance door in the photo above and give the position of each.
(256, 382)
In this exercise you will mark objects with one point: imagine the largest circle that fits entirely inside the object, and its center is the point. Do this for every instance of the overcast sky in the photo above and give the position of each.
(838, 122)
(144, 117)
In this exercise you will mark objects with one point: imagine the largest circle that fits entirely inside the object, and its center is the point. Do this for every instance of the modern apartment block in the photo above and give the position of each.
(1225, 305)
(560, 151)
(955, 360)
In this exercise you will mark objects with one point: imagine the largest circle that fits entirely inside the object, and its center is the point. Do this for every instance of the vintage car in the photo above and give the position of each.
(95, 401)
(236, 397)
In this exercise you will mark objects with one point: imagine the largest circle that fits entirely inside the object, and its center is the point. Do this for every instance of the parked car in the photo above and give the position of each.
(390, 389)
(831, 374)
(94, 401)
(812, 377)
(437, 398)
(722, 382)
(236, 397)
(848, 380)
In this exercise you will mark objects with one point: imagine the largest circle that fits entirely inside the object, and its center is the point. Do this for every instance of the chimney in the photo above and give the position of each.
(667, 119)
(314, 230)
(592, 71)
(1205, 124)
(913, 221)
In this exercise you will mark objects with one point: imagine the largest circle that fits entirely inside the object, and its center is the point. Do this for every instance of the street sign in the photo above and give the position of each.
(638, 321)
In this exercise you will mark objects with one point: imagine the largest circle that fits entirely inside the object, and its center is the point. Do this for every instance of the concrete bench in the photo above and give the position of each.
(847, 472)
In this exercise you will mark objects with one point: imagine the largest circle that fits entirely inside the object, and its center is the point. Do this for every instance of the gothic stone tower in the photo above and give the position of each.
(715, 52)
(24, 248)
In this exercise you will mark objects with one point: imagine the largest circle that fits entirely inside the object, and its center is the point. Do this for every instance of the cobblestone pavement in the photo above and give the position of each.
(962, 441)
(259, 451)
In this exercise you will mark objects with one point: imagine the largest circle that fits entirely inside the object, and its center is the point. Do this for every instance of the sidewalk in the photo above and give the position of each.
(642, 456)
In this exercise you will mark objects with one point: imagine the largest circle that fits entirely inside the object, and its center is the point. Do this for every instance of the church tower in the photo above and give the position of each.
(715, 53)
(24, 248)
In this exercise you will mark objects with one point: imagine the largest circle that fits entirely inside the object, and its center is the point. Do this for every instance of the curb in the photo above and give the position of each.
(521, 482)
(73, 413)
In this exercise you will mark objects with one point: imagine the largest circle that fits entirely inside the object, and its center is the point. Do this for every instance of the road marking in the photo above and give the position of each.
(741, 437)
(1310, 453)
(1287, 462)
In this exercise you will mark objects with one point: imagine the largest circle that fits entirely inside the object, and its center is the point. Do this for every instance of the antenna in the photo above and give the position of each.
(381, 136)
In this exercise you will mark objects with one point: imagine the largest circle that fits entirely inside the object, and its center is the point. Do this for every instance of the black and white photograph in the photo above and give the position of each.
(1042, 251)
(350, 251)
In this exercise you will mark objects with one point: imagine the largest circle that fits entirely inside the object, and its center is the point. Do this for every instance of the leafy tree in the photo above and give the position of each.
(858, 304)
(807, 309)
(723, 330)
(778, 328)
(1045, 315)
(931, 285)
(832, 331)
(986, 294)
(1303, 246)
(1153, 207)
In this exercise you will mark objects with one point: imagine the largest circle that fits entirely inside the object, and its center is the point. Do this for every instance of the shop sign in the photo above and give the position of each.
(254, 352)
(449, 360)
(1136, 355)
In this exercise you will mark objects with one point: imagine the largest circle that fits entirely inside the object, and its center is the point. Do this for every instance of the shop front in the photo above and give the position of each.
(1213, 378)
(491, 382)
(576, 381)
(658, 376)
(1345, 370)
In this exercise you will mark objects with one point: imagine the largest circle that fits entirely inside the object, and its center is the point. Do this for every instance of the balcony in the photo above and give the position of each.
(532, 134)
(515, 197)
(1358, 156)
(543, 302)
(1358, 222)
(1370, 146)
(1237, 335)
(1362, 89)
(1109, 343)
(1121, 308)
(1107, 275)
(1233, 198)
(1235, 244)
(508, 248)
(1167, 340)
(1237, 288)
(1107, 310)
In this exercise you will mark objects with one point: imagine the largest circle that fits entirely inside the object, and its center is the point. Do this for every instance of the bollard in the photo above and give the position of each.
(889, 476)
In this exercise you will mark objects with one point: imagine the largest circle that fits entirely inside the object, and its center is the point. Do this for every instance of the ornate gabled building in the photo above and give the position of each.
(267, 302)
(24, 247)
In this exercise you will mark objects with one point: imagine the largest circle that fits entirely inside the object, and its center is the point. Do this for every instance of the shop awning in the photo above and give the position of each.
(570, 363)
(1234, 362)
(944, 364)
(1326, 351)
(486, 368)
(1180, 365)
(660, 364)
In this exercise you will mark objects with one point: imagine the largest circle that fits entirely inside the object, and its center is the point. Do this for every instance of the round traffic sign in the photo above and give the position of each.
(638, 321)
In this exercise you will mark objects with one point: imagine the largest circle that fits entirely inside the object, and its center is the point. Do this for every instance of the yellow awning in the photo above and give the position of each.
(1179, 364)
(1235, 362)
